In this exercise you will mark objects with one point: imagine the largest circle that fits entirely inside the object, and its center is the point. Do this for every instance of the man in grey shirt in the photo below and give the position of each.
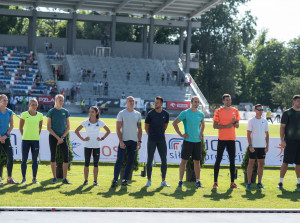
(129, 120)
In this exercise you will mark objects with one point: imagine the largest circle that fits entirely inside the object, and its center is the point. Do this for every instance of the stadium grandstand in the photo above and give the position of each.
(92, 70)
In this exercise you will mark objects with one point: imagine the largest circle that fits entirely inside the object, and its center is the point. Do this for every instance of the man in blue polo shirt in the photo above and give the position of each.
(193, 121)
(155, 125)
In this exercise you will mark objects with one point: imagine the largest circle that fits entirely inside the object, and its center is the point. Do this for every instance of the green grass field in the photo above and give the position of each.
(47, 195)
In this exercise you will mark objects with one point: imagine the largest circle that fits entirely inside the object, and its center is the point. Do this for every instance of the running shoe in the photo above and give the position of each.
(280, 185)
(148, 184)
(65, 181)
(215, 186)
(23, 181)
(198, 184)
(125, 183)
(298, 186)
(114, 184)
(95, 183)
(260, 186)
(233, 185)
(54, 181)
(180, 184)
(248, 187)
(1, 182)
(85, 183)
(34, 181)
(11, 181)
(164, 184)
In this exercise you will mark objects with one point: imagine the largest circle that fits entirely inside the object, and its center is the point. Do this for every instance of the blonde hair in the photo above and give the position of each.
(2, 96)
(33, 100)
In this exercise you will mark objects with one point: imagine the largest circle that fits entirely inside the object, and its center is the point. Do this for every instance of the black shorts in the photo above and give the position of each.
(191, 149)
(64, 148)
(292, 152)
(259, 153)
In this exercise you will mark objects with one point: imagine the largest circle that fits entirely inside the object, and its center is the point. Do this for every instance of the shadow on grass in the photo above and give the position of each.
(291, 195)
(11, 188)
(113, 192)
(43, 187)
(215, 196)
(79, 190)
(252, 195)
(180, 194)
(144, 192)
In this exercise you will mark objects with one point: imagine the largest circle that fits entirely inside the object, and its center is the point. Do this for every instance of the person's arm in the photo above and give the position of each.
(77, 132)
(147, 128)
(216, 125)
(202, 130)
(176, 127)
(267, 142)
(106, 134)
(166, 126)
(67, 128)
(282, 133)
(119, 134)
(250, 141)
(59, 140)
(21, 125)
(139, 134)
(40, 126)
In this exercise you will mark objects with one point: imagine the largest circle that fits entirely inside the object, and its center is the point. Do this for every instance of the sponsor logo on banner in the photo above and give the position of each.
(174, 105)
(175, 147)
(46, 100)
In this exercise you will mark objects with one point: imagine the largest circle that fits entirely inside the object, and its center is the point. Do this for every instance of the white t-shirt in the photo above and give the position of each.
(129, 124)
(258, 128)
(278, 111)
(92, 131)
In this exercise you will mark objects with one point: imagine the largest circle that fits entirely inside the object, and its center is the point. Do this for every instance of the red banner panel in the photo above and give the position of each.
(46, 100)
(178, 105)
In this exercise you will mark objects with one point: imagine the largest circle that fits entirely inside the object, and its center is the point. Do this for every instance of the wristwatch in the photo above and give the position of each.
(140, 141)
(102, 138)
(6, 135)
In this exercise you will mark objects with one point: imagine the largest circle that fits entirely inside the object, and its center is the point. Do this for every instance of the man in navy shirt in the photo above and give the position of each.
(155, 125)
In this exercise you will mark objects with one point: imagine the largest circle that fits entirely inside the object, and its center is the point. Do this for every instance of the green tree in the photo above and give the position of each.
(283, 92)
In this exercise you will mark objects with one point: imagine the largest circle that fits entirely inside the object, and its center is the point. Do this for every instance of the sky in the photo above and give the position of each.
(280, 17)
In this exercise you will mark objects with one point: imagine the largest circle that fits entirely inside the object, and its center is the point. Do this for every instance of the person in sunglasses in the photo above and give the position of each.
(258, 139)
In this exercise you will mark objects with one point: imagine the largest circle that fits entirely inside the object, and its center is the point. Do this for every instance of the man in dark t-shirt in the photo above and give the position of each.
(290, 140)
(155, 125)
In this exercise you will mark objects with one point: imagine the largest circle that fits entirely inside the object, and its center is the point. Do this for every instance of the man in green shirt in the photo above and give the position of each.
(58, 125)
(30, 127)
(193, 121)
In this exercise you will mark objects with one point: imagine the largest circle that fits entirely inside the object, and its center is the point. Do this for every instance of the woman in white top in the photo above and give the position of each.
(92, 145)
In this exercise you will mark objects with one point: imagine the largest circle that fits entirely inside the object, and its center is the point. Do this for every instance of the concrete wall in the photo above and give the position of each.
(123, 49)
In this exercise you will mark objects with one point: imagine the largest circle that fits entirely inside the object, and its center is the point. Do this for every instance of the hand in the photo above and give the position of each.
(2, 140)
(99, 139)
(229, 125)
(59, 141)
(201, 137)
(233, 119)
(138, 147)
(251, 149)
(185, 136)
(86, 139)
(122, 145)
(266, 149)
(283, 144)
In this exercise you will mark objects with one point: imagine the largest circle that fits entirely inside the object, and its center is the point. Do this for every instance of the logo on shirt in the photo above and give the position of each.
(63, 113)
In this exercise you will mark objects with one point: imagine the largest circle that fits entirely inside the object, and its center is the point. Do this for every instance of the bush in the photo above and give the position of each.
(244, 164)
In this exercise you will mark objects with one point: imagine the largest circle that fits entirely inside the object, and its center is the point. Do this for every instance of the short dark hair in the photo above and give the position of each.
(193, 98)
(295, 97)
(257, 105)
(159, 98)
(225, 96)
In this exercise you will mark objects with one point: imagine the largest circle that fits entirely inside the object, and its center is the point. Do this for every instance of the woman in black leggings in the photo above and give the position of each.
(92, 145)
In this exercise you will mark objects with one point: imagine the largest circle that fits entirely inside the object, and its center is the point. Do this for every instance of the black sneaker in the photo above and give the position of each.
(298, 186)
(280, 186)
(125, 183)
(65, 181)
(180, 184)
(198, 184)
(114, 184)
(54, 181)
(85, 183)
(95, 183)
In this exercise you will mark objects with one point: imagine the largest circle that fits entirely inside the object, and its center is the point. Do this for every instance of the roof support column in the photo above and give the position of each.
(145, 33)
(188, 46)
(181, 38)
(151, 38)
(71, 34)
(32, 31)
(113, 34)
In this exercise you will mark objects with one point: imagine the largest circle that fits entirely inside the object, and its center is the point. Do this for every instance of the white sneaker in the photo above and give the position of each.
(164, 184)
(148, 184)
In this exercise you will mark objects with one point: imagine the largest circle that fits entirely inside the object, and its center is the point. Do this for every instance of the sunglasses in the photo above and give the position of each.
(260, 109)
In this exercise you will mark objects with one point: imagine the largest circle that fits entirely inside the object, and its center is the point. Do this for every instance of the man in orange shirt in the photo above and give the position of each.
(226, 119)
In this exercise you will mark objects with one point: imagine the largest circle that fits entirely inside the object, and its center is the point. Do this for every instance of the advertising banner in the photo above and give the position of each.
(175, 105)
(46, 100)
(109, 148)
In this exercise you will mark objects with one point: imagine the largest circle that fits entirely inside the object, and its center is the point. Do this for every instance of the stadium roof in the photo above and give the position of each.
(173, 8)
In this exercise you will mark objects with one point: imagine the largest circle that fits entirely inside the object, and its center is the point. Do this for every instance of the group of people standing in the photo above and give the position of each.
(129, 131)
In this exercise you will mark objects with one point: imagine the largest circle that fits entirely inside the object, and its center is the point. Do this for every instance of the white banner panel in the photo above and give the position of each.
(109, 148)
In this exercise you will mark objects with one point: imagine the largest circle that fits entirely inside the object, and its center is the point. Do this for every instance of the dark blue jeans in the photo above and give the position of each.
(131, 150)
(9, 154)
(162, 150)
(34, 145)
